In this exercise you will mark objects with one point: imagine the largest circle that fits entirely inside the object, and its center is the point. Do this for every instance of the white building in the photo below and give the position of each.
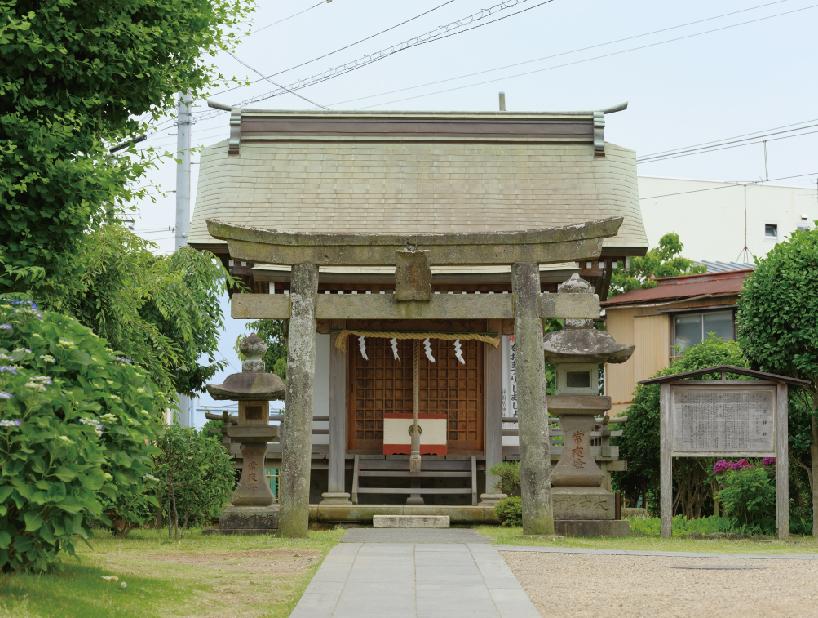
(710, 216)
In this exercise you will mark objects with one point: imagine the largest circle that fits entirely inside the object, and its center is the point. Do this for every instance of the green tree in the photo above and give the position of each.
(663, 261)
(162, 312)
(274, 334)
(639, 444)
(778, 324)
(196, 476)
(77, 76)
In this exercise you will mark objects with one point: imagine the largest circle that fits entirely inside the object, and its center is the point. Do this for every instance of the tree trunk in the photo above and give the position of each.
(159, 508)
(814, 476)
(170, 505)
(184, 526)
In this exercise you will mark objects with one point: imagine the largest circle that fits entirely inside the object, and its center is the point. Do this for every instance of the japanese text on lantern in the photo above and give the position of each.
(577, 452)
(723, 420)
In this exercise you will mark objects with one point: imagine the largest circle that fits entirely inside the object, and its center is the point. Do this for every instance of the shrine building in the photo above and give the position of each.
(341, 187)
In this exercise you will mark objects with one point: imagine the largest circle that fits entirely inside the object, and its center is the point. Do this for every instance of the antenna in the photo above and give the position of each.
(746, 252)
(766, 173)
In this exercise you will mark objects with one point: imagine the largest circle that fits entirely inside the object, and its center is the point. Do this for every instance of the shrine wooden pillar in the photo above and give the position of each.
(494, 415)
(296, 441)
(336, 493)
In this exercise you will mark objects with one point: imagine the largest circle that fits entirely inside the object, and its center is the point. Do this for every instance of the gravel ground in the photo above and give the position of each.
(582, 585)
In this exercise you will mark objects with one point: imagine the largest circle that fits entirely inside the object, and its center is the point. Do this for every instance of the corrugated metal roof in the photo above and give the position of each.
(724, 267)
(687, 286)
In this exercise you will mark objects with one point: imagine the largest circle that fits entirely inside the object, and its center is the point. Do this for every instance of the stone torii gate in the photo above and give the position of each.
(413, 255)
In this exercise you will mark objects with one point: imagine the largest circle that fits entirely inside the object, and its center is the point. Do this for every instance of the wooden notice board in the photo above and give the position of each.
(724, 418)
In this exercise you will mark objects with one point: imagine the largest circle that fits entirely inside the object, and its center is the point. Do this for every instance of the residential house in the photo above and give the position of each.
(666, 320)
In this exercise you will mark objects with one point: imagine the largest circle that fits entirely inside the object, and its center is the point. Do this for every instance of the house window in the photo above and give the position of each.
(690, 329)
(770, 231)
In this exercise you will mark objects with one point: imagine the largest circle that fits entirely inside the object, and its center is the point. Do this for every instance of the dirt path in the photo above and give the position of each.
(592, 585)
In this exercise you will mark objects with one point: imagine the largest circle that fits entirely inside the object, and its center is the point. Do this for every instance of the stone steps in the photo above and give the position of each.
(410, 521)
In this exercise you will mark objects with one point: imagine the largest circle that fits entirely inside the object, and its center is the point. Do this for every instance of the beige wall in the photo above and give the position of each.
(650, 331)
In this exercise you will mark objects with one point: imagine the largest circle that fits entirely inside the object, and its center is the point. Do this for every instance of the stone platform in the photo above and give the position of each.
(592, 527)
(365, 513)
(469, 515)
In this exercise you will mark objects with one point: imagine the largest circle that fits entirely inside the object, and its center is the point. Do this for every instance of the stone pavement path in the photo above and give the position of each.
(417, 579)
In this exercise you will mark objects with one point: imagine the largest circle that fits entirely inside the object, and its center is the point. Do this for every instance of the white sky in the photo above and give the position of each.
(744, 79)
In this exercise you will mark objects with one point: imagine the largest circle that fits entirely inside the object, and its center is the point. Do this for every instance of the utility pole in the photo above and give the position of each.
(182, 229)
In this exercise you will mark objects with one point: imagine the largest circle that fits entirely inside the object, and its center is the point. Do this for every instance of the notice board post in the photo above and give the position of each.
(724, 418)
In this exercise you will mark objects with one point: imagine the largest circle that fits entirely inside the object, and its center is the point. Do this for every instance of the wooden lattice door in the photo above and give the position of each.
(380, 384)
(449, 387)
(383, 385)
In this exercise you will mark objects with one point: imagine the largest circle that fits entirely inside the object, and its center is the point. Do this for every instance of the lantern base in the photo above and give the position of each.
(247, 520)
(592, 527)
(576, 503)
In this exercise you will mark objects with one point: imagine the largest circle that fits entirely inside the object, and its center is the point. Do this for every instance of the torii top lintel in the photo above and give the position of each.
(550, 245)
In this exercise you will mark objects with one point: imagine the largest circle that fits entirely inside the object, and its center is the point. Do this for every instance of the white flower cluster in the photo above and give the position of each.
(38, 383)
(150, 477)
(47, 358)
(67, 343)
(95, 423)
(109, 418)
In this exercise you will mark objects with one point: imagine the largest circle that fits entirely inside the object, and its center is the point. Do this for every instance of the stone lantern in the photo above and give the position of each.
(577, 352)
(251, 510)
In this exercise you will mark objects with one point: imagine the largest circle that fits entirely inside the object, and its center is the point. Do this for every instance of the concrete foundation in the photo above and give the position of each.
(474, 515)
(592, 527)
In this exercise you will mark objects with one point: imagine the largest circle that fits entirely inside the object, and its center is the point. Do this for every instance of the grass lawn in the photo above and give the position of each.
(195, 576)
(797, 545)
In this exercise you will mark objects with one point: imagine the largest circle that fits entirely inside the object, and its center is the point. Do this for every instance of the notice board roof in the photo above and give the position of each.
(742, 371)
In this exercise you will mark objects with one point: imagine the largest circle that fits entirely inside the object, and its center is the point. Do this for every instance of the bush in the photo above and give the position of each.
(652, 526)
(76, 424)
(509, 473)
(510, 511)
(639, 443)
(748, 495)
(195, 474)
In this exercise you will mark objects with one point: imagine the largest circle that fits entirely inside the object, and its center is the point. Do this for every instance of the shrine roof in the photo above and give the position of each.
(742, 371)
(687, 286)
(412, 172)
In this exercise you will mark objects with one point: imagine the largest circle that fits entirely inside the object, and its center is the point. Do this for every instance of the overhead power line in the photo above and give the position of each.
(429, 37)
(573, 51)
(314, 6)
(594, 58)
(729, 186)
(371, 36)
(727, 145)
(717, 142)
(235, 57)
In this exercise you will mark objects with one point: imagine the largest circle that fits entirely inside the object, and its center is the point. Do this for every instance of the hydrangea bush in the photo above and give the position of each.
(76, 424)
